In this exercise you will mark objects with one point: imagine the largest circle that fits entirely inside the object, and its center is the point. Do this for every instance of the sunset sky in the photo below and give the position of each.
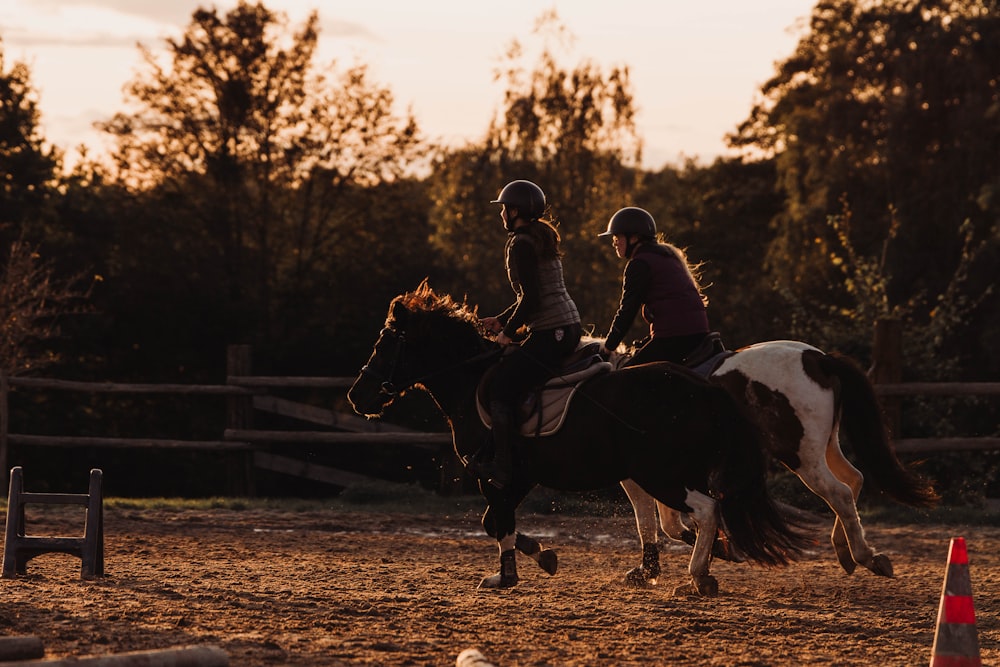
(695, 66)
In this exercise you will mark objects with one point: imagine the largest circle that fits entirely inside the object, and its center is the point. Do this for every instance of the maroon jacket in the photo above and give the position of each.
(657, 282)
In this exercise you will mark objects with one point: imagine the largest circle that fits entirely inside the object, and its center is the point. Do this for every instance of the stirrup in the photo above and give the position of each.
(495, 476)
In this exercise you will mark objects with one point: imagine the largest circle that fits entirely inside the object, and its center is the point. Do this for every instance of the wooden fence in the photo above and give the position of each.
(246, 394)
(886, 372)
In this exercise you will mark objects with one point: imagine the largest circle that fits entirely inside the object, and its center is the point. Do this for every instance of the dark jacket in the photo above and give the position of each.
(657, 282)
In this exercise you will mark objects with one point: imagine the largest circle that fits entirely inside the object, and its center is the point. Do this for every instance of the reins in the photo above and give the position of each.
(389, 386)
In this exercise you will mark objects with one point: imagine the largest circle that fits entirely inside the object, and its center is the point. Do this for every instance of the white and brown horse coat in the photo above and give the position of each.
(802, 399)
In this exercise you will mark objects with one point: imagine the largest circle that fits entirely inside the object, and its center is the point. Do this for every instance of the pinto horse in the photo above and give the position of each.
(802, 400)
(680, 439)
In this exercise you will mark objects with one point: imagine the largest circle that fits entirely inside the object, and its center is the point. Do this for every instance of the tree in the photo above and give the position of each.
(27, 166)
(32, 295)
(884, 123)
(720, 214)
(252, 160)
(32, 302)
(570, 131)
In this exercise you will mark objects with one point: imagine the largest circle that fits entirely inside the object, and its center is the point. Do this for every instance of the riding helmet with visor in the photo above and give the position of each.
(525, 196)
(631, 221)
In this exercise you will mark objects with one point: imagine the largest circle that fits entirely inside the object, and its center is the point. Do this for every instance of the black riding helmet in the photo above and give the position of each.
(525, 196)
(631, 221)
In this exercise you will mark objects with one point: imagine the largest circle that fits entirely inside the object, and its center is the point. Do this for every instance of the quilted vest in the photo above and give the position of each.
(556, 307)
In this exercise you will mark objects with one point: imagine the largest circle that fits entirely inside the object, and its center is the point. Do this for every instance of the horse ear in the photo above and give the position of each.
(397, 312)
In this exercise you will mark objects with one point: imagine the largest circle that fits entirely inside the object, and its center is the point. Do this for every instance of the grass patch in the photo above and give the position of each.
(944, 515)
(392, 498)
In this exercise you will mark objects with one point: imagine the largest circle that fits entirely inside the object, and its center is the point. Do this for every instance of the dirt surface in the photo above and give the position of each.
(335, 587)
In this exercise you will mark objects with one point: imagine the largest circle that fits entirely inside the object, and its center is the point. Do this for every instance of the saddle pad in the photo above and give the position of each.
(549, 410)
(707, 367)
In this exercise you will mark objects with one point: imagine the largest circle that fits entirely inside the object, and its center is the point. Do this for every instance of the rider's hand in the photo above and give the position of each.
(605, 353)
(491, 324)
(503, 339)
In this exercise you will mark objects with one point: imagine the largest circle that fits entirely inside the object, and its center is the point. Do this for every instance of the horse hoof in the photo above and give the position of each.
(703, 586)
(848, 564)
(498, 581)
(881, 565)
(706, 585)
(639, 577)
(548, 561)
(844, 555)
(685, 591)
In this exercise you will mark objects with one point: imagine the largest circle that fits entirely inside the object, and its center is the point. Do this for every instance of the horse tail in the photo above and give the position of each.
(751, 520)
(863, 423)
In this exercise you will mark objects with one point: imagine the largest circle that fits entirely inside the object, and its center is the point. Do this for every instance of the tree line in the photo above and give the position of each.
(255, 195)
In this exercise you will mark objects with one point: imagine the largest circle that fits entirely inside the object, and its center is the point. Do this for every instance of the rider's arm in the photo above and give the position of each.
(525, 259)
(635, 285)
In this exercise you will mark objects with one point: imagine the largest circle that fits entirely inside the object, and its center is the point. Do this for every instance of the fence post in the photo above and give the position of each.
(4, 426)
(887, 367)
(239, 415)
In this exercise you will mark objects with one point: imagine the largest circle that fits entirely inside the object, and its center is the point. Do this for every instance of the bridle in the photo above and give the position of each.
(391, 388)
(386, 383)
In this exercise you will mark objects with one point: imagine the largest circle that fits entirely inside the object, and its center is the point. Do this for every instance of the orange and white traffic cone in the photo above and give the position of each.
(956, 643)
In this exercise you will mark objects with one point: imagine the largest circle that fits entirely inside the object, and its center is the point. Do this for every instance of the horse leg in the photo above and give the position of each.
(672, 523)
(646, 510)
(847, 532)
(838, 536)
(500, 526)
(721, 548)
(644, 507)
(848, 535)
(507, 576)
(529, 546)
(707, 520)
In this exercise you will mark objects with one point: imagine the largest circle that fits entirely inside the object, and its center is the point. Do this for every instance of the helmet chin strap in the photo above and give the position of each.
(631, 245)
(509, 222)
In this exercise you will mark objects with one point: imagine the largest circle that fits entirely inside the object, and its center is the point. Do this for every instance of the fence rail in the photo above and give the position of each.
(124, 388)
(938, 389)
(359, 430)
(246, 393)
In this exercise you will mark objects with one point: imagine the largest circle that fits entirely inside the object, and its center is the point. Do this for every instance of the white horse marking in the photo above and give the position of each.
(799, 397)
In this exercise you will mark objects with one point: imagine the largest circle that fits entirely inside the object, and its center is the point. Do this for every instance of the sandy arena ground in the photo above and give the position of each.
(356, 587)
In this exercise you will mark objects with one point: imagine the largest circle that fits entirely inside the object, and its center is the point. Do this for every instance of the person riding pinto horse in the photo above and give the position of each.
(661, 284)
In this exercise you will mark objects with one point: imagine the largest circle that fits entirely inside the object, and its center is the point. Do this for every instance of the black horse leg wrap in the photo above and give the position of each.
(508, 564)
(651, 560)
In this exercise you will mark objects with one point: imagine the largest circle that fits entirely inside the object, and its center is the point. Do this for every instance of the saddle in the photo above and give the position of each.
(544, 410)
(708, 355)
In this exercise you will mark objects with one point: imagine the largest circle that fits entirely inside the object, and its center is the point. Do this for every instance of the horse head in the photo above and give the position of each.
(423, 333)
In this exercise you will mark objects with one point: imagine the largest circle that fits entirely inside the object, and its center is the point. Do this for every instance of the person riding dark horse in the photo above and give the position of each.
(659, 282)
(543, 308)
(681, 439)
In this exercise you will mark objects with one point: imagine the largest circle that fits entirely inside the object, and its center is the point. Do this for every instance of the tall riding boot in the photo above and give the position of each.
(498, 471)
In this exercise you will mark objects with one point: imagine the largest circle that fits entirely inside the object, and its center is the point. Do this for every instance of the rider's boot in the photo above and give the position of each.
(498, 471)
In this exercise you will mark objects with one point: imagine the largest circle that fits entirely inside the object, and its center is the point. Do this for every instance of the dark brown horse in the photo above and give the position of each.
(682, 440)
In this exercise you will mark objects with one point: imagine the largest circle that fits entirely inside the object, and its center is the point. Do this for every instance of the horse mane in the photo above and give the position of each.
(425, 300)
